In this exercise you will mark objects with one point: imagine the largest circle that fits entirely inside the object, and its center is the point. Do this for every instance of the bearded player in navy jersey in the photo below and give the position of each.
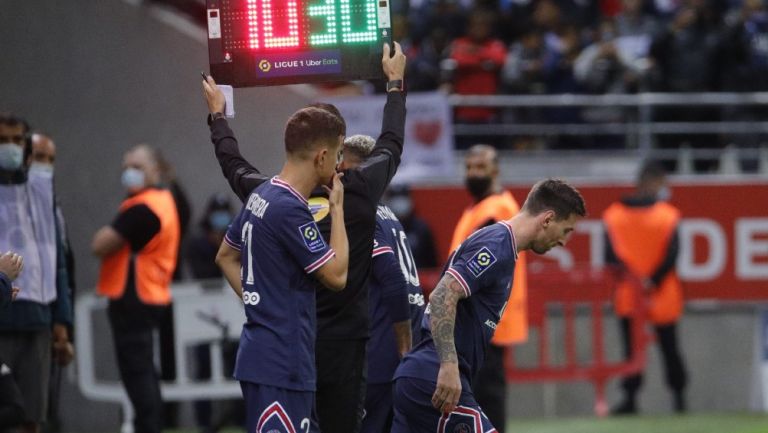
(433, 388)
(395, 301)
(270, 256)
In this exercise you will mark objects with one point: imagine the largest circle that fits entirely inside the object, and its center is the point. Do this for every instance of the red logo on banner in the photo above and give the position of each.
(427, 132)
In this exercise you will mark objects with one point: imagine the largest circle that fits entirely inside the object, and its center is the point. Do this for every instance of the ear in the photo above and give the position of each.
(320, 156)
(547, 218)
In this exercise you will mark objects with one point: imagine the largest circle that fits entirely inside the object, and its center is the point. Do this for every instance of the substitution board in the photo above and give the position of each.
(273, 42)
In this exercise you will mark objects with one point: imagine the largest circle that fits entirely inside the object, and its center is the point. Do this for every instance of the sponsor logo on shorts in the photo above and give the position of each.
(491, 324)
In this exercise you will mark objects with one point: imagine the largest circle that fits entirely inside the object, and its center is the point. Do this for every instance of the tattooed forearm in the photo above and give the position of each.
(442, 319)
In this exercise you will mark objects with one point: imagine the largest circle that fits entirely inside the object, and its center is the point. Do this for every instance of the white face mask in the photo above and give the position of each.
(11, 156)
(132, 179)
(41, 169)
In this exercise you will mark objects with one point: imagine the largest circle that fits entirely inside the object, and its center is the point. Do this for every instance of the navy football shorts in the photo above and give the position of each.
(276, 410)
(414, 412)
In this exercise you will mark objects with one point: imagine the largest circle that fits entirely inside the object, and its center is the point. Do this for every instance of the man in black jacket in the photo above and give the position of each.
(342, 317)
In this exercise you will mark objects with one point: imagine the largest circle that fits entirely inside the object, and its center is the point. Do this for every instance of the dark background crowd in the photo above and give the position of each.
(544, 47)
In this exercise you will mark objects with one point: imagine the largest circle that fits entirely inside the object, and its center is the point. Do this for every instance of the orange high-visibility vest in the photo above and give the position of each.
(640, 237)
(155, 263)
(513, 325)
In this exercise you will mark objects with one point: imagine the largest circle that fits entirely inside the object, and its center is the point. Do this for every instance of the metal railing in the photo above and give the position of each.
(640, 125)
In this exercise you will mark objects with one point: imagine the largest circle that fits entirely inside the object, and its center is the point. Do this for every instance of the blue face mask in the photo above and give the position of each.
(132, 179)
(11, 156)
(220, 220)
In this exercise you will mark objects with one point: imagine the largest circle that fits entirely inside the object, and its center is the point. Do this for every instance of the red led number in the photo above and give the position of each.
(280, 25)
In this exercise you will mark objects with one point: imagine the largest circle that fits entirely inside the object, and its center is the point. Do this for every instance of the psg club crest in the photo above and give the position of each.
(462, 428)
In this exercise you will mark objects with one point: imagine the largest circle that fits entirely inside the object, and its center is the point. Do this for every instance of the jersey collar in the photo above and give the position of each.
(512, 235)
(283, 184)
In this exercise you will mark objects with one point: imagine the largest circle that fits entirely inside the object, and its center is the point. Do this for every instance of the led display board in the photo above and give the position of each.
(273, 42)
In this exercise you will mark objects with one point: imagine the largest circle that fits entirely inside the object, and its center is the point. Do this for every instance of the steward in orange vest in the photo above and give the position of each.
(491, 206)
(139, 251)
(642, 241)
(154, 263)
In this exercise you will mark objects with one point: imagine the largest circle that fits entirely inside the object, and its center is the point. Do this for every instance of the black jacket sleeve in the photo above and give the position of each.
(241, 175)
(610, 256)
(5, 290)
(382, 163)
(673, 248)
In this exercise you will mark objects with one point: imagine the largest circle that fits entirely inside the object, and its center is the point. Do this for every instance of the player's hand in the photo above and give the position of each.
(14, 292)
(213, 95)
(63, 351)
(448, 390)
(393, 64)
(11, 265)
(335, 194)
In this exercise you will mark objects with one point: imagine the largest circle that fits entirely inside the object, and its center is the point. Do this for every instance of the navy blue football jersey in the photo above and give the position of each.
(483, 265)
(394, 290)
(280, 246)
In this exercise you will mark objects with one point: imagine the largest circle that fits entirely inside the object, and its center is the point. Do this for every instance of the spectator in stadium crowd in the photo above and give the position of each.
(685, 58)
(420, 237)
(11, 402)
(396, 302)
(38, 320)
(643, 244)
(746, 49)
(342, 318)
(424, 72)
(433, 383)
(138, 250)
(523, 71)
(745, 60)
(609, 65)
(431, 14)
(632, 21)
(275, 360)
(475, 60)
(491, 204)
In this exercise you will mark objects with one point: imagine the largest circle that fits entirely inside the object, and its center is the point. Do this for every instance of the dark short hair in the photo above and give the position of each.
(311, 127)
(555, 195)
(13, 120)
(333, 110)
(651, 170)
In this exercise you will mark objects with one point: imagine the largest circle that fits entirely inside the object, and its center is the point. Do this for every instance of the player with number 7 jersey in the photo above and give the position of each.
(271, 255)
(280, 247)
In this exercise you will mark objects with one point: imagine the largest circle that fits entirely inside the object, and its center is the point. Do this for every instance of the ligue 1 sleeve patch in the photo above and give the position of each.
(312, 238)
(481, 261)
